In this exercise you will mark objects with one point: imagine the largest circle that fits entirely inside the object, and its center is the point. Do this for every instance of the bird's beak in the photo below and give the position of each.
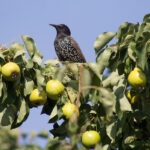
(54, 25)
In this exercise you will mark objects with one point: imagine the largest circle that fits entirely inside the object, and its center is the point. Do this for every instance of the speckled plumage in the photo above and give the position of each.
(66, 47)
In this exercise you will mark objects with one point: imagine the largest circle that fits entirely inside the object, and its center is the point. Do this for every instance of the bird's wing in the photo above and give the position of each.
(76, 46)
(59, 51)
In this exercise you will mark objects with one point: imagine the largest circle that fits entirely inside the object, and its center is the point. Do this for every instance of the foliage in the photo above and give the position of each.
(10, 139)
(100, 97)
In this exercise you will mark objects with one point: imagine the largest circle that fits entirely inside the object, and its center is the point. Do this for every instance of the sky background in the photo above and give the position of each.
(86, 19)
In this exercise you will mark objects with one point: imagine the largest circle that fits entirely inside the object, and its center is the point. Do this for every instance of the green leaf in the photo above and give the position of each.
(71, 92)
(146, 32)
(147, 28)
(59, 131)
(17, 49)
(28, 86)
(111, 130)
(29, 44)
(146, 18)
(5, 52)
(101, 147)
(124, 30)
(1, 55)
(139, 33)
(7, 116)
(106, 147)
(119, 91)
(86, 80)
(96, 69)
(23, 113)
(129, 139)
(1, 85)
(132, 50)
(145, 105)
(104, 58)
(148, 46)
(28, 62)
(102, 40)
(40, 79)
(73, 70)
(48, 107)
(112, 80)
(98, 147)
(128, 66)
(124, 104)
(4, 93)
(53, 113)
(143, 60)
(107, 98)
(141, 53)
(37, 58)
(11, 94)
(60, 74)
(32, 50)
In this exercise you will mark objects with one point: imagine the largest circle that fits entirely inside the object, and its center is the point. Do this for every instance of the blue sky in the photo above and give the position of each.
(86, 19)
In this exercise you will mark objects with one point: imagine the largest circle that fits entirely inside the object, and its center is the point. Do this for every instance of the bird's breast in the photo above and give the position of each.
(64, 43)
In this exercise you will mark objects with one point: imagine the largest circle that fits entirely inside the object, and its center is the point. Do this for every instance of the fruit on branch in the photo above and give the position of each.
(134, 98)
(137, 78)
(90, 138)
(68, 110)
(37, 97)
(0, 68)
(11, 71)
(54, 89)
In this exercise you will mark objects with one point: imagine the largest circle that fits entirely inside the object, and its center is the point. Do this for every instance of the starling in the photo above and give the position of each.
(66, 47)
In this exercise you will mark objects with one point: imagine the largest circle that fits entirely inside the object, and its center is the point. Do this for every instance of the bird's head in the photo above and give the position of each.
(61, 28)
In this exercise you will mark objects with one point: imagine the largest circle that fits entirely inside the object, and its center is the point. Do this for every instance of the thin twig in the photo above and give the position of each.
(79, 93)
(3, 46)
(13, 41)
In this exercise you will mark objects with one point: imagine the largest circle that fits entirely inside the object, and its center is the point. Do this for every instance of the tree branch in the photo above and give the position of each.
(79, 92)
